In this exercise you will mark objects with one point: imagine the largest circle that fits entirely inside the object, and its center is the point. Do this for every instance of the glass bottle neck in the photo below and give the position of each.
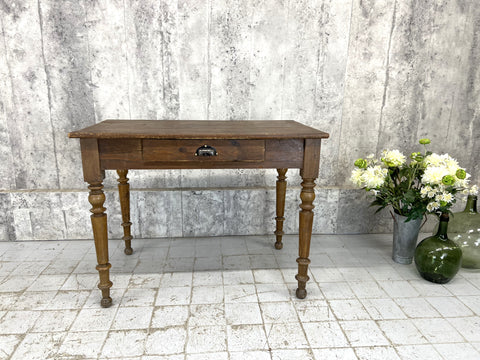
(471, 206)
(443, 226)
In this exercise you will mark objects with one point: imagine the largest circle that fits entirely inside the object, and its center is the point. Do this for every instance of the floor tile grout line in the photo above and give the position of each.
(225, 324)
(186, 326)
(108, 331)
(261, 311)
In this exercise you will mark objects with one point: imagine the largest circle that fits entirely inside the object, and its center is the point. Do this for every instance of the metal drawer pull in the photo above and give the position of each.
(206, 150)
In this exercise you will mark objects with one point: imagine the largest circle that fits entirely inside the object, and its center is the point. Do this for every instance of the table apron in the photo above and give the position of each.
(137, 154)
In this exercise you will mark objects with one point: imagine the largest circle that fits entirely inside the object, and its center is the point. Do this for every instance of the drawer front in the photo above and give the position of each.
(203, 150)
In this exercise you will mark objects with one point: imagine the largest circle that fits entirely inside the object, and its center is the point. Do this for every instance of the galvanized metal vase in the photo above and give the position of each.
(405, 236)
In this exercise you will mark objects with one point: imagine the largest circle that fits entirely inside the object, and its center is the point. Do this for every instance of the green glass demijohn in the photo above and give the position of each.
(464, 230)
(438, 258)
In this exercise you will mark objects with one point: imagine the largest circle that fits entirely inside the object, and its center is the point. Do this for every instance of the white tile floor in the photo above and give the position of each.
(231, 298)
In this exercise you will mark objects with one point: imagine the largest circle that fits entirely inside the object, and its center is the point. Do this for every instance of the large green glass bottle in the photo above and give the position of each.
(438, 258)
(464, 230)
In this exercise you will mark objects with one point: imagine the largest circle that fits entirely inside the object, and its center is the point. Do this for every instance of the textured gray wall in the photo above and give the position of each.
(373, 74)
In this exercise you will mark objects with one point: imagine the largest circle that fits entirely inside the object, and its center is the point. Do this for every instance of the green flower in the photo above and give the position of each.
(361, 163)
(461, 174)
(416, 156)
(448, 180)
(424, 141)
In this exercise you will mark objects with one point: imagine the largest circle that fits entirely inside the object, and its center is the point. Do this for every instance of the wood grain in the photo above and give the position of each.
(196, 129)
(91, 161)
(184, 150)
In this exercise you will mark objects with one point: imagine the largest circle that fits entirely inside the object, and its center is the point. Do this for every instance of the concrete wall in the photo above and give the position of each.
(373, 74)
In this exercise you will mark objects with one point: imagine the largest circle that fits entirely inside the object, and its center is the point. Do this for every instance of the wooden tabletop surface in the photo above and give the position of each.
(196, 129)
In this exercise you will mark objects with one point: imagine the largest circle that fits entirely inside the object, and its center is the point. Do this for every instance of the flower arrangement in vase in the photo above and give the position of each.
(425, 183)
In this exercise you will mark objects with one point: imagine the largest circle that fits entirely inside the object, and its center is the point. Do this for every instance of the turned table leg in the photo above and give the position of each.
(124, 192)
(100, 235)
(305, 233)
(281, 190)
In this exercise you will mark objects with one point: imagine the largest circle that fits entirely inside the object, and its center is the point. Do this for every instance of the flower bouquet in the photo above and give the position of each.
(427, 183)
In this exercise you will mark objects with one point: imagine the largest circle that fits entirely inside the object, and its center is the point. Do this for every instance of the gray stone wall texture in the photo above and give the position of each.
(374, 74)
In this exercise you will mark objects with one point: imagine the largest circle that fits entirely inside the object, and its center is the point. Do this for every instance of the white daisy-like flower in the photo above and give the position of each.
(425, 190)
(445, 196)
(433, 206)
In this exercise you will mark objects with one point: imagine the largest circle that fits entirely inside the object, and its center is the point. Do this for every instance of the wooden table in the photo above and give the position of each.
(175, 144)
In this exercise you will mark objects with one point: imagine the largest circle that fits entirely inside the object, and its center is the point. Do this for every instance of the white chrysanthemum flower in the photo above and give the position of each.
(374, 177)
(433, 175)
(450, 163)
(433, 206)
(431, 194)
(445, 161)
(462, 183)
(356, 176)
(370, 156)
(393, 158)
(433, 159)
(473, 190)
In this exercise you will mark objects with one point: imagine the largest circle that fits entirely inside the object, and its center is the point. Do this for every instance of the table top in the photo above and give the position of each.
(199, 129)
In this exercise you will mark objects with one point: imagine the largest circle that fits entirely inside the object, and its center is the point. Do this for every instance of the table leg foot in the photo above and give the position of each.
(301, 293)
(279, 219)
(302, 277)
(128, 251)
(105, 284)
(106, 302)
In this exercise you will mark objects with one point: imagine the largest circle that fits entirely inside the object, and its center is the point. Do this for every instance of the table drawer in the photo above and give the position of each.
(203, 150)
